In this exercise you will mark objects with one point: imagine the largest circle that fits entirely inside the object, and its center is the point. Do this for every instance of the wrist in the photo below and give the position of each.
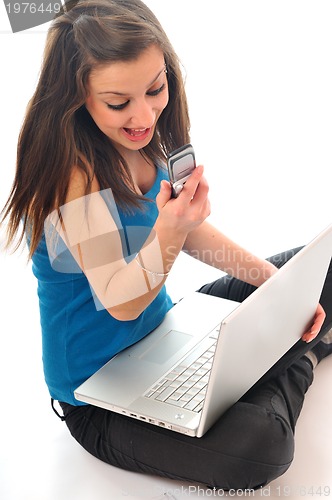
(268, 270)
(171, 243)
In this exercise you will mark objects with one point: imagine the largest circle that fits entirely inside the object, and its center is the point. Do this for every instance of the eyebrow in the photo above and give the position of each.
(123, 94)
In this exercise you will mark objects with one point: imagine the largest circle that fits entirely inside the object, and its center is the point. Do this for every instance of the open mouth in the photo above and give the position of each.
(136, 134)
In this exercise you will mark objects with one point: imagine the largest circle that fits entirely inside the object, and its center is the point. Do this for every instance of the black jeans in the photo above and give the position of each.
(249, 446)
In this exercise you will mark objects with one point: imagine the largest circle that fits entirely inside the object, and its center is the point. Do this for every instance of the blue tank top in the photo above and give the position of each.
(77, 338)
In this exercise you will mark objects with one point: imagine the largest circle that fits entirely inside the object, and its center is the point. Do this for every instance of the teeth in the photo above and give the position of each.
(136, 131)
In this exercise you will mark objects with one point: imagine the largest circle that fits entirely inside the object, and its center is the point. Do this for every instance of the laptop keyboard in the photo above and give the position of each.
(185, 384)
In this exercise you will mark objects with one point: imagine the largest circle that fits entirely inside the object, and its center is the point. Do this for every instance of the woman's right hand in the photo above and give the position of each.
(181, 215)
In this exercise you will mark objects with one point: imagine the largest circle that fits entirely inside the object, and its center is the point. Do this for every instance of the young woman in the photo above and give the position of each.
(92, 194)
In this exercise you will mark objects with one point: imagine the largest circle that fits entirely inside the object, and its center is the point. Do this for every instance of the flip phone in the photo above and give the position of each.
(181, 164)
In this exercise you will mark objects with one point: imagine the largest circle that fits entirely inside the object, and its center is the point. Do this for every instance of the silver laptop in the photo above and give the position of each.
(209, 351)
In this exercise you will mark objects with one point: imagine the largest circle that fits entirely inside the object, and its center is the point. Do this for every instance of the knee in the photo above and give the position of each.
(268, 437)
(260, 446)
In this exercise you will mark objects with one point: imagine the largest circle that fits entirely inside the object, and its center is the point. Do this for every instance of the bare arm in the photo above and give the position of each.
(207, 244)
(212, 247)
(91, 231)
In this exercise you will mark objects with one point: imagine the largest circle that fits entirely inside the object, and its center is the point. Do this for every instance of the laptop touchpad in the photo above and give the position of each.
(165, 347)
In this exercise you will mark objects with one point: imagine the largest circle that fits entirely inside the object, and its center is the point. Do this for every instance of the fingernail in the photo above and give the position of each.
(310, 339)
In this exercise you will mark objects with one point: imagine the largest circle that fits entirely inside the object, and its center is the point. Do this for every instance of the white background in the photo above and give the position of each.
(259, 79)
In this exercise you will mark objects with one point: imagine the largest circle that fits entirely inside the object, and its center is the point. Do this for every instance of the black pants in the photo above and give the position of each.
(250, 445)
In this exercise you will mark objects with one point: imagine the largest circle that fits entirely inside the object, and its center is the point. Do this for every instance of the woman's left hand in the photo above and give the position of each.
(317, 325)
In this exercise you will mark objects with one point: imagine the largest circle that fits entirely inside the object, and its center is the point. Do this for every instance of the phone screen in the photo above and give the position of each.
(181, 164)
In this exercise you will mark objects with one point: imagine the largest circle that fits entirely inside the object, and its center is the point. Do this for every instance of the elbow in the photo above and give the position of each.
(125, 310)
(123, 314)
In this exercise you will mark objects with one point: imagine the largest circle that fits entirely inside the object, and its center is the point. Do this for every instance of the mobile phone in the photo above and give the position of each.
(180, 163)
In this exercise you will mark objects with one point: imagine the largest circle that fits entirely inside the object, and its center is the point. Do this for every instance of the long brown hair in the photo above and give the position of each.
(58, 132)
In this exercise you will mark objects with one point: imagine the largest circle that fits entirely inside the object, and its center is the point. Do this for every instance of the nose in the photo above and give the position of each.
(143, 115)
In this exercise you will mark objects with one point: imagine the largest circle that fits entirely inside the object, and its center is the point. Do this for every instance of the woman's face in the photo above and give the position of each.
(126, 99)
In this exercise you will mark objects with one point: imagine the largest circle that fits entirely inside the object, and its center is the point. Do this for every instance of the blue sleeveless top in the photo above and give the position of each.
(78, 337)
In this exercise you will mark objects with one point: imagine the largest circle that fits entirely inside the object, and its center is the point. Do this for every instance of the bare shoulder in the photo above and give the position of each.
(78, 183)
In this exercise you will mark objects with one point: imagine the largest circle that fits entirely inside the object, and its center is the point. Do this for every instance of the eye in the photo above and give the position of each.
(118, 107)
(151, 93)
(154, 93)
